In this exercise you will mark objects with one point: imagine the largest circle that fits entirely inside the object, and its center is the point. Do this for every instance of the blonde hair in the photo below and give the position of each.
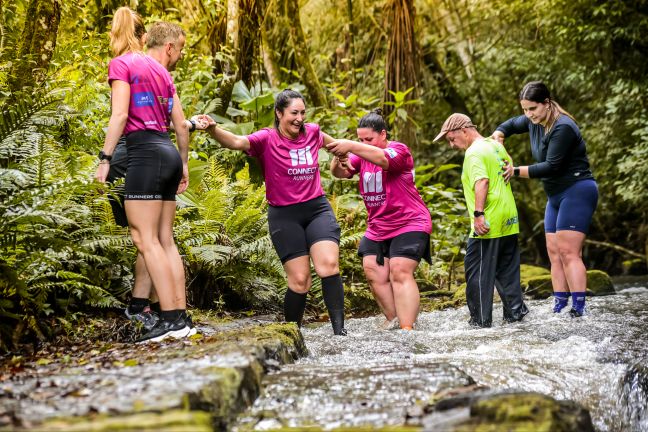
(127, 31)
(162, 32)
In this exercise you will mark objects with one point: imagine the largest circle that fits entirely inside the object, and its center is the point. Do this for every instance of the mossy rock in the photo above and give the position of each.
(526, 412)
(530, 271)
(634, 267)
(539, 287)
(599, 283)
(173, 420)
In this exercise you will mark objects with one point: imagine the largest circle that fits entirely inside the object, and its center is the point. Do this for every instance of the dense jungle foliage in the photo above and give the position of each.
(61, 253)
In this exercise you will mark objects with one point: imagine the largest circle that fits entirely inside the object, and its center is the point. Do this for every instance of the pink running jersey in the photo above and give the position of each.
(290, 166)
(151, 91)
(393, 203)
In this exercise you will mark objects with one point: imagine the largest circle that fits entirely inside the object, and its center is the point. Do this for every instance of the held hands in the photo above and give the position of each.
(481, 226)
(340, 147)
(202, 121)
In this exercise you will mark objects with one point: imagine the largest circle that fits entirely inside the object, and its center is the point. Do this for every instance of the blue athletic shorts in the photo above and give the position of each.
(572, 209)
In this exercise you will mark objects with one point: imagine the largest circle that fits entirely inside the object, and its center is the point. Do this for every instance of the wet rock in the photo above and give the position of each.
(513, 411)
(634, 399)
(599, 283)
(175, 385)
(540, 287)
(634, 267)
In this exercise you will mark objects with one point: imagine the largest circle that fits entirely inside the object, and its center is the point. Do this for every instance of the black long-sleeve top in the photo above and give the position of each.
(560, 155)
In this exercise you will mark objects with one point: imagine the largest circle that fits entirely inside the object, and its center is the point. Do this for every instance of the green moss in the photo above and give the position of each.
(526, 412)
(599, 283)
(634, 266)
(173, 420)
(539, 287)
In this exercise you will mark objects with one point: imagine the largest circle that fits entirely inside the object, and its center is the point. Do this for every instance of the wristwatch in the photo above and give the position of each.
(516, 172)
(193, 125)
(478, 213)
(104, 156)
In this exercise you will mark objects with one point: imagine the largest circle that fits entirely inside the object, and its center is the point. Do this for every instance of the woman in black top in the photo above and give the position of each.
(558, 148)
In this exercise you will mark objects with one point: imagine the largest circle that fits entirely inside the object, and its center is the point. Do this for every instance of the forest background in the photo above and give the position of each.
(62, 256)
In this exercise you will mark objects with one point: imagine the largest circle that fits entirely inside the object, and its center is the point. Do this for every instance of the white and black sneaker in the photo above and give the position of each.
(190, 324)
(166, 329)
(147, 317)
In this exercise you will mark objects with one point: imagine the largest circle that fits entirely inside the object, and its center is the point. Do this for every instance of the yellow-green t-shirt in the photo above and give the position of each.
(485, 159)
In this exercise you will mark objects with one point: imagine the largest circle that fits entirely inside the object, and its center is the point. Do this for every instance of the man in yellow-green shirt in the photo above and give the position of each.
(492, 254)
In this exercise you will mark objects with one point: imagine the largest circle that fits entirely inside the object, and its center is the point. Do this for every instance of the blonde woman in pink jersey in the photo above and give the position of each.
(399, 223)
(300, 219)
(144, 102)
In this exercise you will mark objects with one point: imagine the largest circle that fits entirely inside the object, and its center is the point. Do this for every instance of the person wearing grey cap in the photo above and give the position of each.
(492, 254)
(572, 193)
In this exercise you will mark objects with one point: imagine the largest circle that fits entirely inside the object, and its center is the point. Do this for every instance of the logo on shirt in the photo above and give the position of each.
(391, 152)
(301, 156)
(144, 99)
(372, 182)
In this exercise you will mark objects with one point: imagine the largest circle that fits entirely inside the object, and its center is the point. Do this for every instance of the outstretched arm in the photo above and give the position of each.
(370, 153)
(182, 137)
(226, 138)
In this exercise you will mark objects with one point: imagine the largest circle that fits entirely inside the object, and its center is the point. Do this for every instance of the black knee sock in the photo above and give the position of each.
(294, 305)
(137, 305)
(333, 292)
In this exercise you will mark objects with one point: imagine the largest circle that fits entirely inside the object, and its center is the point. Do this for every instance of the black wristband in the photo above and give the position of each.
(193, 125)
(478, 213)
(516, 172)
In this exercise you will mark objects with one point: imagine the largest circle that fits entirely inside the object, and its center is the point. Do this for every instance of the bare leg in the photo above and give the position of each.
(570, 246)
(406, 293)
(144, 219)
(298, 274)
(378, 279)
(325, 255)
(143, 287)
(558, 278)
(168, 244)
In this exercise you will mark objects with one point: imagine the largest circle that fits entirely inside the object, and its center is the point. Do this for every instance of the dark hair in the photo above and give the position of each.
(537, 91)
(374, 120)
(282, 100)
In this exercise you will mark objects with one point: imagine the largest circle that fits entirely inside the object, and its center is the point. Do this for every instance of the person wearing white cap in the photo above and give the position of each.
(492, 254)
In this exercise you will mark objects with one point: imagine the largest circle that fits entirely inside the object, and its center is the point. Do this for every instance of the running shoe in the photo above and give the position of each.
(146, 317)
(190, 324)
(576, 314)
(166, 329)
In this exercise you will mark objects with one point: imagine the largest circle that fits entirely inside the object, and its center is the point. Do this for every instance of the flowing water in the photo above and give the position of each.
(375, 378)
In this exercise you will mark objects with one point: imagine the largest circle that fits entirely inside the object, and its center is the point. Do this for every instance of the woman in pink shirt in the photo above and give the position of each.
(399, 223)
(143, 102)
(300, 219)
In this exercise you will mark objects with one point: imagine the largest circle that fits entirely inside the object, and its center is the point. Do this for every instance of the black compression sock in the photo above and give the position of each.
(294, 305)
(137, 305)
(333, 292)
(171, 315)
(155, 307)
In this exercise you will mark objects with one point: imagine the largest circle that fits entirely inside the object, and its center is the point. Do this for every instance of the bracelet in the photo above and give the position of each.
(516, 172)
(104, 162)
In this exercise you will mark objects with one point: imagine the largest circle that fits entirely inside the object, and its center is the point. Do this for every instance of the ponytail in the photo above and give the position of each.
(127, 31)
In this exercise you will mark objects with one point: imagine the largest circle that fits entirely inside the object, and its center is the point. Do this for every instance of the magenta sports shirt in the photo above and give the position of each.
(151, 91)
(290, 166)
(393, 203)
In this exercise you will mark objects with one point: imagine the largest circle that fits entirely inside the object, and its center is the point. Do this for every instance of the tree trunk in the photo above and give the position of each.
(38, 43)
(270, 62)
(444, 83)
(302, 56)
(402, 63)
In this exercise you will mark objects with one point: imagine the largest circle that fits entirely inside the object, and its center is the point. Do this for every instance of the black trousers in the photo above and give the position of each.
(488, 263)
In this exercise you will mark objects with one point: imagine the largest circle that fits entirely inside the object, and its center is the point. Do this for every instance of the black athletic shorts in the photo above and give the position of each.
(295, 228)
(414, 245)
(154, 167)
(118, 166)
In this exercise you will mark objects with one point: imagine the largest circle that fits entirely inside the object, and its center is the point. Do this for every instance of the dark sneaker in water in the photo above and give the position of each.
(576, 314)
(146, 317)
(166, 329)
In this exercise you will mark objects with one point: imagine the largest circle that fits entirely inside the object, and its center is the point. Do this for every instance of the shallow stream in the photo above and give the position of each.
(377, 378)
